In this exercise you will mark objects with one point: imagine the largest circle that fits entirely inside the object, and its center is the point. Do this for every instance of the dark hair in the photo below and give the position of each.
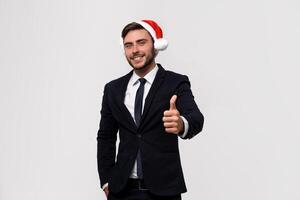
(131, 27)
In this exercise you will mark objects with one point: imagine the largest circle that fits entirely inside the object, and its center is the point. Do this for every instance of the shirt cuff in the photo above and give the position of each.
(186, 127)
(104, 186)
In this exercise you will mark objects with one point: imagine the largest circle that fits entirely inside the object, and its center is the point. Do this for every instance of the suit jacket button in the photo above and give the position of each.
(139, 135)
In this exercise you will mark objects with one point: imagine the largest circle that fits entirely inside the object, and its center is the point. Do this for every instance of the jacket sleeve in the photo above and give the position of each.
(188, 108)
(106, 139)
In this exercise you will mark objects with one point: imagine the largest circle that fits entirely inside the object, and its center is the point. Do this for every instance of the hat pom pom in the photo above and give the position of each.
(160, 44)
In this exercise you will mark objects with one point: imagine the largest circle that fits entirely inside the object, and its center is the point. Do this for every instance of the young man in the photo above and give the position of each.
(149, 108)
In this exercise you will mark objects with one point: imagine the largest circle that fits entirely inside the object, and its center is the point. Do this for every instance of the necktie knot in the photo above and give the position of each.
(142, 81)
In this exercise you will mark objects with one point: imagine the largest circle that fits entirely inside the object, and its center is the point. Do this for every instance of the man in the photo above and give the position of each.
(149, 108)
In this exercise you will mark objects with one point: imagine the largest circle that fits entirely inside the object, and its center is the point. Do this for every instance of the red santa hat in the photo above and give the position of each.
(156, 33)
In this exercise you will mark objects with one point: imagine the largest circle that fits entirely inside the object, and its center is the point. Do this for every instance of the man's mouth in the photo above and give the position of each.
(137, 58)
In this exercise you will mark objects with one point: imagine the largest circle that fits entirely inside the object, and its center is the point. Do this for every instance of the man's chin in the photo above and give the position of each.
(138, 66)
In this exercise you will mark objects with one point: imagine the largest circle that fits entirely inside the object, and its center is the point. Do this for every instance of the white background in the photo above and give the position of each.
(242, 58)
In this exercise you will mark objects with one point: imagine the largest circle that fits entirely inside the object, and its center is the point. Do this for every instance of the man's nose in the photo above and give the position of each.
(135, 48)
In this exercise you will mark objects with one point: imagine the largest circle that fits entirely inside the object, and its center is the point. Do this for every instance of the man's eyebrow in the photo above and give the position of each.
(141, 40)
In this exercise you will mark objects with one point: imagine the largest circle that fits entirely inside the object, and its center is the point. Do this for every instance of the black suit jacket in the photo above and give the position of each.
(162, 169)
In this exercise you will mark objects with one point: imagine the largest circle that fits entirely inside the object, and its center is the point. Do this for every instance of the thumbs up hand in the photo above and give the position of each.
(172, 120)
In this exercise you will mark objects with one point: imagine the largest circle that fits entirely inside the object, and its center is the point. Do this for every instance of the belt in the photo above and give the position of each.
(137, 184)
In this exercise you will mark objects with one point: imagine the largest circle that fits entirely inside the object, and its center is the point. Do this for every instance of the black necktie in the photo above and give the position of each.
(138, 107)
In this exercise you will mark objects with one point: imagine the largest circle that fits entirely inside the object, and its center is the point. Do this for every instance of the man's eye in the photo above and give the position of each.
(142, 42)
(127, 46)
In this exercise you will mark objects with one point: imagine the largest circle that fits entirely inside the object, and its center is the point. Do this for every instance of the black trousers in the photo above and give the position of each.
(135, 190)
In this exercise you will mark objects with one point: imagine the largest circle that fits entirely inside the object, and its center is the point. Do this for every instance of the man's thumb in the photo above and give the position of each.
(173, 102)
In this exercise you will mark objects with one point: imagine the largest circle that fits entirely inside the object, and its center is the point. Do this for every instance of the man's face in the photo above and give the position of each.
(139, 49)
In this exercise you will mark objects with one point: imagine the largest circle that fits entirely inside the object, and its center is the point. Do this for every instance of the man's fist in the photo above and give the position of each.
(172, 120)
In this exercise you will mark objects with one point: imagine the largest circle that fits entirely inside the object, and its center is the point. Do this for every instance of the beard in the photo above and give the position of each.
(149, 60)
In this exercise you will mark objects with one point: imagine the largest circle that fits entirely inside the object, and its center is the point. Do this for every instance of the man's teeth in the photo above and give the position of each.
(137, 58)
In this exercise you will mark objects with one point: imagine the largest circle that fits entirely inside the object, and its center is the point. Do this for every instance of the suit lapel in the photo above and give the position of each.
(121, 98)
(153, 90)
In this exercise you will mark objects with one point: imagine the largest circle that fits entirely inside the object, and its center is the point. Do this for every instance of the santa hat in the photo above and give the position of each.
(155, 31)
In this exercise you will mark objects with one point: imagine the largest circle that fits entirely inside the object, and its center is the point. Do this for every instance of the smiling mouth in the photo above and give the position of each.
(137, 58)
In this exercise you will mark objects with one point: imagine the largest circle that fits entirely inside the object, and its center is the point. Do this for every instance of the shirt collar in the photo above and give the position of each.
(149, 77)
